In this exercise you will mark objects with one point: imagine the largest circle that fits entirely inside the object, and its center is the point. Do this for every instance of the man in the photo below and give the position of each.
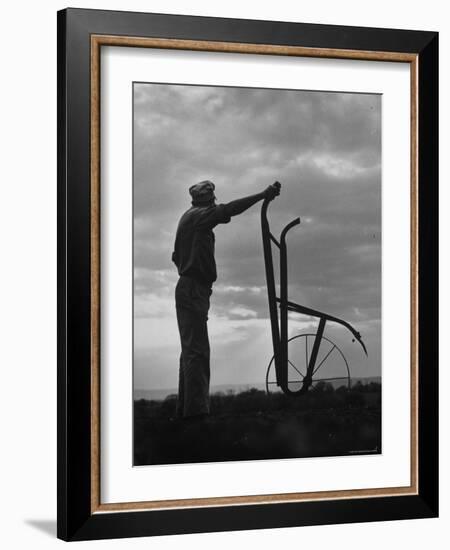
(194, 257)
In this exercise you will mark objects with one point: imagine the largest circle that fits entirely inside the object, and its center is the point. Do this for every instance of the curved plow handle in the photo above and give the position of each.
(289, 226)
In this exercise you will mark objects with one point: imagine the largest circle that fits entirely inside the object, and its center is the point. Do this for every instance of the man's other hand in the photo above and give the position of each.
(272, 191)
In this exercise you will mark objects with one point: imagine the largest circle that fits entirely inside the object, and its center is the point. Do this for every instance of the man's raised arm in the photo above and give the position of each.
(238, 206)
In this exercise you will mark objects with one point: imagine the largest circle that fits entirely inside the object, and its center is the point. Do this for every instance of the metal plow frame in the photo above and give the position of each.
(279, 326)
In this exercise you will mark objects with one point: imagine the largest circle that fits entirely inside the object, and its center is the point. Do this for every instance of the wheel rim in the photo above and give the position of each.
(331, 353)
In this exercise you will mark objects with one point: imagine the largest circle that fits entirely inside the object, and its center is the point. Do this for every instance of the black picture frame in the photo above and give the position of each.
(76, 476)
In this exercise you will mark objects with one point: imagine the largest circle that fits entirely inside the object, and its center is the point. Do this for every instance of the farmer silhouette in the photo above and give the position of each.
(194, 257)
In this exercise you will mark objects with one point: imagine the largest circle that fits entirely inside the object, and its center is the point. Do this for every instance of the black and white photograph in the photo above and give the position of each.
(225, 288)
(256, 273)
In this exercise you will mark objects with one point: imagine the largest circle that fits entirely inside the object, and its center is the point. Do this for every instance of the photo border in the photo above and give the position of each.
(81, 34)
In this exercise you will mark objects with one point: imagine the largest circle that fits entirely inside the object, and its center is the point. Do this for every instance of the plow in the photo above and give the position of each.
(300, 362)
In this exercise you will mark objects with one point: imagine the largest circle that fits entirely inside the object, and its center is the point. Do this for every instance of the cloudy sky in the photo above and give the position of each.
(325, 149)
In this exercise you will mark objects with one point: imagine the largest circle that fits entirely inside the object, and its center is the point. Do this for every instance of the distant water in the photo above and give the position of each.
(158, 395)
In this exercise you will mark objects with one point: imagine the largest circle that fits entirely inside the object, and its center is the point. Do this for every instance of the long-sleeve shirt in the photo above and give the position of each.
(194, 242)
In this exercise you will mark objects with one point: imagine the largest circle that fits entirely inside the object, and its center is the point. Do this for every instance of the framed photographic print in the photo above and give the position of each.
(247, 271)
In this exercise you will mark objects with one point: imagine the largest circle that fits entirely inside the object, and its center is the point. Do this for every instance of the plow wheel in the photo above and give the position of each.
(331, 365)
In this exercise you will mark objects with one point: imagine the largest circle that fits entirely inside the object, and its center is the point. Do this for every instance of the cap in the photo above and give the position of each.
(203, 191)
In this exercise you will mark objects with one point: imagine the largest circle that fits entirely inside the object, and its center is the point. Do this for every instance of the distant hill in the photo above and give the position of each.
(159, 395)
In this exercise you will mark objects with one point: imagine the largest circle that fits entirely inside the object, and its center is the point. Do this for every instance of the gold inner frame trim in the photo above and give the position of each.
(97, 41)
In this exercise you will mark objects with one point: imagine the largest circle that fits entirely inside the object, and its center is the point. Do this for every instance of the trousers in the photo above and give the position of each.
(192, 300)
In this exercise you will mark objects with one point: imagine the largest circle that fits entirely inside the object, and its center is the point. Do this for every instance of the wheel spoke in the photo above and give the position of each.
(332, 378)
(290, 382)
(323, 360)
(294, 367)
